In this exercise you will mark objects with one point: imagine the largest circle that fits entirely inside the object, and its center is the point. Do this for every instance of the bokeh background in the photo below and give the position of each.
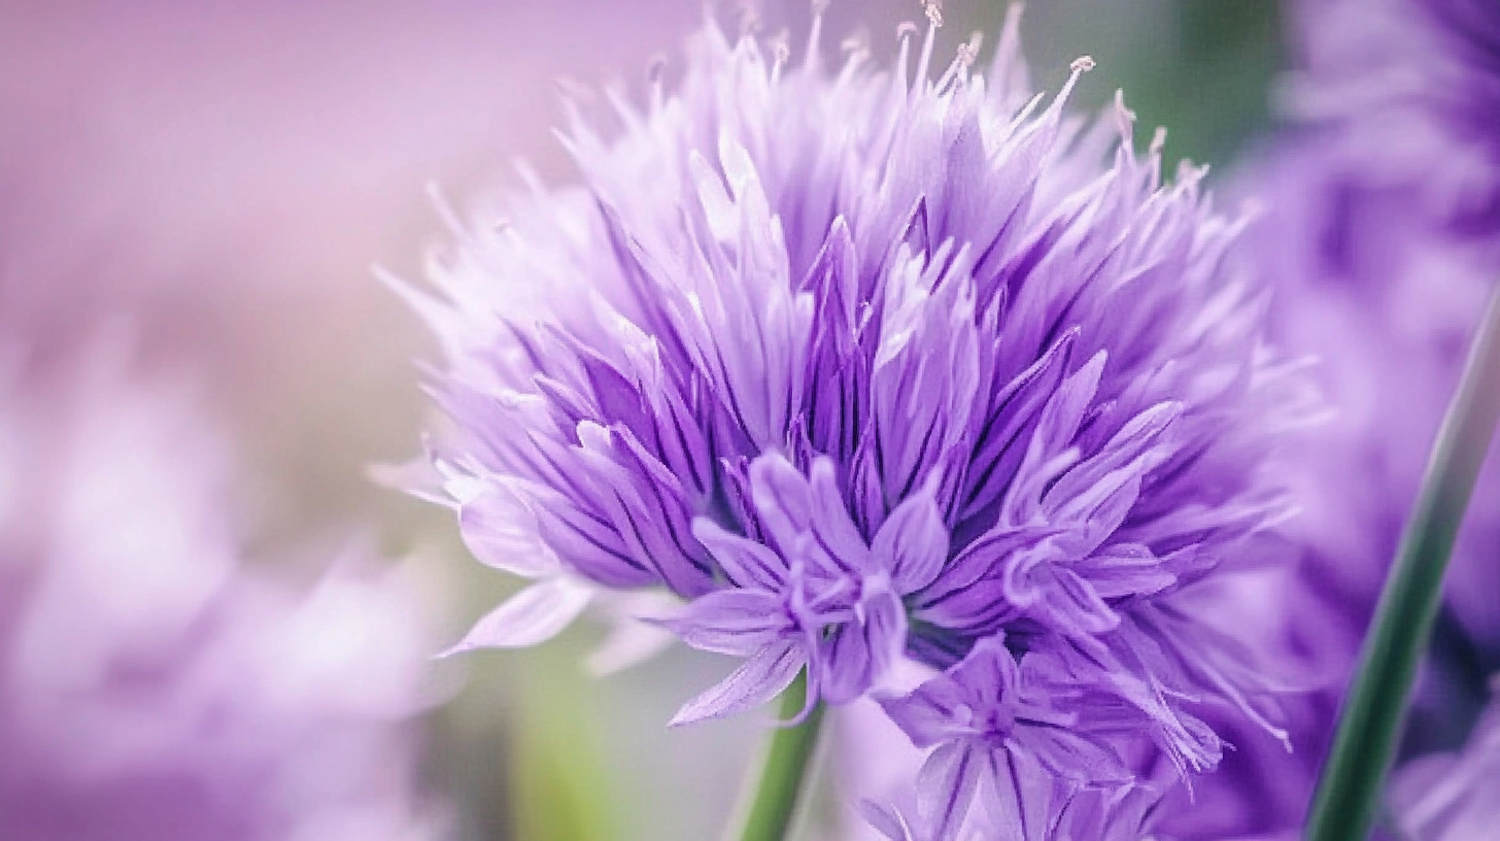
(224, 174)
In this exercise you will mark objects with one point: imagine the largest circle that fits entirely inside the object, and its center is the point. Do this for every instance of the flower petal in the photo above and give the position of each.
(913, 543)
(501, 532)
(783, 499)
(888, 822)
(945, 789)
(738, 622)
(756, 681)
(1020, 794)
(860, 653)
(745, 562)
(534, 615)
(1069, 604)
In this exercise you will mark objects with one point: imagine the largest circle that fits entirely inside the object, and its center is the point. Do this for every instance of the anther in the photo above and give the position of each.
(1124, 117)
(969, 52)
(906, 29)
(1158, 140)
(1080, 66)
(934, 10)
(781, 47)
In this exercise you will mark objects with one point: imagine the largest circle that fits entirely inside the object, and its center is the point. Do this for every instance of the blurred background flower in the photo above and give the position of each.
(152, 685)
(1379, 195)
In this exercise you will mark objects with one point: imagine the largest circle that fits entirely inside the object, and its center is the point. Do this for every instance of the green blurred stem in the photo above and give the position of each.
(772, 792)
(1354, 774)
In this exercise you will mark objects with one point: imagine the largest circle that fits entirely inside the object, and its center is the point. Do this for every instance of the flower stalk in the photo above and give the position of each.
(1353, 777)
(773, 790)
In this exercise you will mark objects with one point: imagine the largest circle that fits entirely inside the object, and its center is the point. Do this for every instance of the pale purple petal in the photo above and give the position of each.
(738, 622)
(946, 787)
(536, 614)
(783, 500)
(860, 653)
(746, 562)
(912, 545)
(759, 679)
(502, 532)
(1021, 791)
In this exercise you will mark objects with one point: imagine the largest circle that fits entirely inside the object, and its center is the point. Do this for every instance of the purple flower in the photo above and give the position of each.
(1120, 813)
(879, 768)
(153, 688)
(1005, 734)
(864, 365)
(812, 592)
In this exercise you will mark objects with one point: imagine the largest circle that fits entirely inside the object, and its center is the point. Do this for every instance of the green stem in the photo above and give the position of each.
(772, 792)
(1354, 774)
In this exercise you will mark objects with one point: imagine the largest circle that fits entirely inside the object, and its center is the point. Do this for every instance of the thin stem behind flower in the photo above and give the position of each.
(1354, 775)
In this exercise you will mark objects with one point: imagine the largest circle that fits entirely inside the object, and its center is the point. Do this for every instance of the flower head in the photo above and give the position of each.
(1005, 734)
(865, 364)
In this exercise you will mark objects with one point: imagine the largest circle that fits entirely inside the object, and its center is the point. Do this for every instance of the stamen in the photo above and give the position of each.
(904, 32)
(815, 36)
(781, 53)
(934, 20)
(968, 52)
(934, 10)
(1158, 141)
(1080, 66)
(958, 70)
(1124, 118)
(859, 42)
(855, 49)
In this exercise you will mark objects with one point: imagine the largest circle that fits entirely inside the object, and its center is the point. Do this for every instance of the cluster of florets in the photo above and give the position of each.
(865, 365)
